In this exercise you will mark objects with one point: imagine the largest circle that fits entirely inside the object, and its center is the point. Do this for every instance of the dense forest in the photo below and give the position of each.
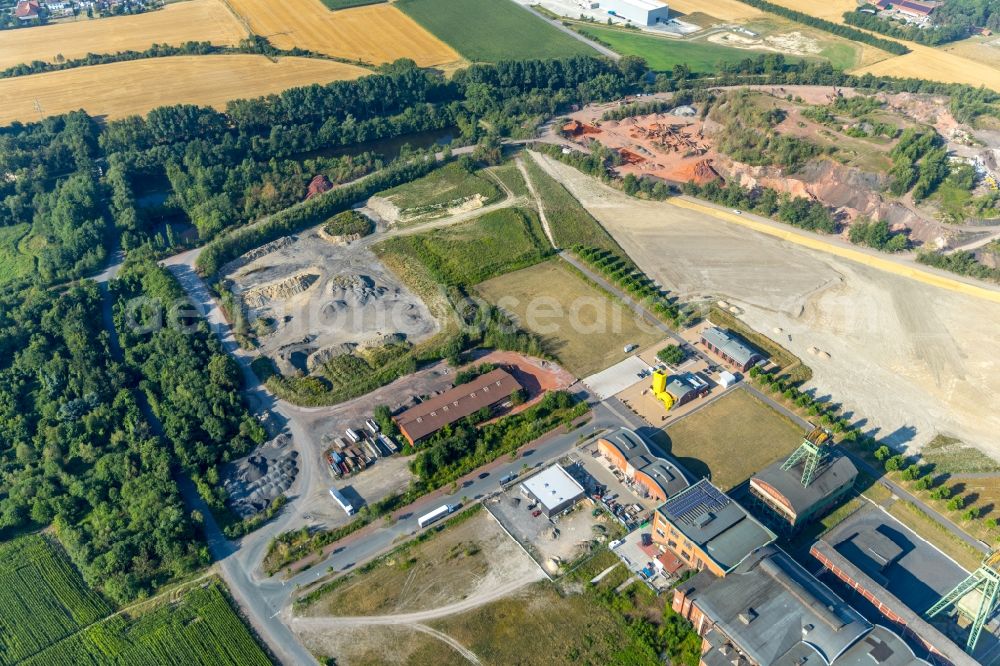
(76, 453)
(191, 384)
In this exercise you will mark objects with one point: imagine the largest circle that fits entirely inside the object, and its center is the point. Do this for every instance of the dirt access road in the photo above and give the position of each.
(912, 358)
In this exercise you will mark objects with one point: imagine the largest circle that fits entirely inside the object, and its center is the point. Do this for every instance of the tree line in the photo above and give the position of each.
(829, 26)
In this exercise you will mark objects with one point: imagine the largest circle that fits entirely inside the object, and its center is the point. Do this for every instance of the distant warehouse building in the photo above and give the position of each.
(485, 391)
(732, 348)
(642, 12)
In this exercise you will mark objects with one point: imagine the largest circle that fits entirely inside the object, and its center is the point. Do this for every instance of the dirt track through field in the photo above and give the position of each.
(194, 20)
(375, 34)
(911, 358)
(126, 88)
(479, 598)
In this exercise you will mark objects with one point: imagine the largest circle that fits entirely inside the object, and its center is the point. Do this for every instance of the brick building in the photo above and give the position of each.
(486, 391)
(707, 529)
(652, 474)
(770, 611)
(731, 348)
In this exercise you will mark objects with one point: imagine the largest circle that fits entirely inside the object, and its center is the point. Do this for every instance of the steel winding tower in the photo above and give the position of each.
(986, 581)
(813, 451)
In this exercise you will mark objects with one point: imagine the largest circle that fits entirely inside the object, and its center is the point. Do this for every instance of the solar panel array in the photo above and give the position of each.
(695, 501)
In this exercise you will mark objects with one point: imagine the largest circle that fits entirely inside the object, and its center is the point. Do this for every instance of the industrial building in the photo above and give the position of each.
(707, 529)
(640, 12)
(802, 487)
(485, 391)
(770, 611)
(731, 348)
(554, 489)
(896, 574)
(677, 390)
(650, 473)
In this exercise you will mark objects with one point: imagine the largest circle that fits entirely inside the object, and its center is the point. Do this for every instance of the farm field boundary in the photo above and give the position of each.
(376, 33)
(493, 30)
(190, 21)
(121, 89)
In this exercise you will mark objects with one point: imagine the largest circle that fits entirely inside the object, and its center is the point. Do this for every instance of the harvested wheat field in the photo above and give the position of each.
(127, 88)
(194, 20)
(725, 10)
(831, 10)
(934, 65)
(374, 34)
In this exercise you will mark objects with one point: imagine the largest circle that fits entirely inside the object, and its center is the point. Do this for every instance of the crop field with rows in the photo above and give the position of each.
(201, 628)
(42, 599)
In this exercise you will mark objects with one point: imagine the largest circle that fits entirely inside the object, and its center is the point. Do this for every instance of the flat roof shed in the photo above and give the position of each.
(554, 489)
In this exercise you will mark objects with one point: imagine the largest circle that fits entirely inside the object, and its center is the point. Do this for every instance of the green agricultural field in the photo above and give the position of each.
(730, 439)
(578, 324)
(439, 190)
(662, 53)
(347, 4)
(15, 261)
(492, 30)
(470, 252)
(200, 628)
(570, 222)
(42, 598)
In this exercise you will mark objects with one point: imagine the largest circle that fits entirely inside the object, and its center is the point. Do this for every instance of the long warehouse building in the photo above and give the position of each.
(642, 12)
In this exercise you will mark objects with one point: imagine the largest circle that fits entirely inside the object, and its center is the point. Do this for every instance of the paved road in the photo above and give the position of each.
(600, 48)
(264, 600)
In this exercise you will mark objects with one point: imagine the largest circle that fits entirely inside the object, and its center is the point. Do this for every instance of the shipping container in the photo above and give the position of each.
(372, 426)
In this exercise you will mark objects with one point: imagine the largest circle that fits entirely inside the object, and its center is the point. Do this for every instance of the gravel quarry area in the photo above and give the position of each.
(322, 298)
(913, 360)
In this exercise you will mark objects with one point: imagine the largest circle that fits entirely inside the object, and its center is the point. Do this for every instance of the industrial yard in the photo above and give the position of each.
(869, 322)
(315, 298)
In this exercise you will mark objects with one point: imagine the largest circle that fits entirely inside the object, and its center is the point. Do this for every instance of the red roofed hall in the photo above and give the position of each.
(27, 10)
(454, 405)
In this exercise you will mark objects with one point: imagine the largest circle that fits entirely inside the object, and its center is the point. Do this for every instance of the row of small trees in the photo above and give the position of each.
(636, 283)
(908, 469)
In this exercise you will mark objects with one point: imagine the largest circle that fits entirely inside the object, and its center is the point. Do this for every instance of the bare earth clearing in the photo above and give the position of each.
(466, 566)
(194, 20)
(122, 89)
(325, 298)
(913, 358)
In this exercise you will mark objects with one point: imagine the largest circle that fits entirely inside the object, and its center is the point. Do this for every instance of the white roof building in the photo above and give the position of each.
(554, 489)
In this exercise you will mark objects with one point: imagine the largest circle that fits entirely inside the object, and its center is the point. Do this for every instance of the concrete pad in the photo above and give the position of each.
(617, 378)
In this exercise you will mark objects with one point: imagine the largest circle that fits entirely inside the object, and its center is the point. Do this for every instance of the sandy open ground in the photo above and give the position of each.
(325, 298)
(194, 20)
(126, 88)
(913, 358)
(374, 34)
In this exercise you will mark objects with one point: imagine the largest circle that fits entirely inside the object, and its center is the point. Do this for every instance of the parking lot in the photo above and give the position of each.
(559, 540)
(617, 490)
